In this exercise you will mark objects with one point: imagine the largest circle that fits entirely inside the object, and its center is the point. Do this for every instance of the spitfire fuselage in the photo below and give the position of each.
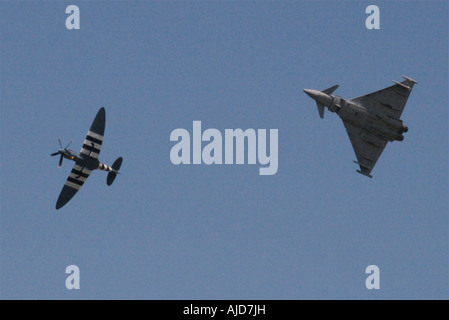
(84, 160)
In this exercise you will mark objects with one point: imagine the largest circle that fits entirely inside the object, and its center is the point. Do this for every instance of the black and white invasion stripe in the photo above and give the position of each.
(92, 144)
(105, 167)
(77, 177)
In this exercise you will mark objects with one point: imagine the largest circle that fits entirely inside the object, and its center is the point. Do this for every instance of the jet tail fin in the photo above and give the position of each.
(116, 166)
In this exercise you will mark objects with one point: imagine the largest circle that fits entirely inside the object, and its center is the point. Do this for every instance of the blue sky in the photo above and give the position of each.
(222, 231)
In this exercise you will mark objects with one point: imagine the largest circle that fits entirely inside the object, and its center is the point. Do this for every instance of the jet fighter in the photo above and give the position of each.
(86, 160)
(371, 120)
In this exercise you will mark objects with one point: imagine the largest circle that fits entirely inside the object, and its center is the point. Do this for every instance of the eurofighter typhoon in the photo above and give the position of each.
(370, 120)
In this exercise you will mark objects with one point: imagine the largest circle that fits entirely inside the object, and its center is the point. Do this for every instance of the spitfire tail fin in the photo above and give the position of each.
(112, 174)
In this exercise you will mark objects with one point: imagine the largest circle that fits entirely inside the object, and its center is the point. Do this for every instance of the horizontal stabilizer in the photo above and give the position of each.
(116, 167)
(117, 164)
(111, 177)
(326, 91)
(320, 110)
(330, 90)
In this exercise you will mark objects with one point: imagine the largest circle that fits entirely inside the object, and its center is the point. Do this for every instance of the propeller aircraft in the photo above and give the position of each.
(86, 160)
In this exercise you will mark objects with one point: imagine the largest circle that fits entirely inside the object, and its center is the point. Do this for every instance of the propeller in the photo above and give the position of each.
(60, 159)
(61, 151)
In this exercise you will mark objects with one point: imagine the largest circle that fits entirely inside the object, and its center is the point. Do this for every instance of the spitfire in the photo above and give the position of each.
(86, 160)
(371, 120)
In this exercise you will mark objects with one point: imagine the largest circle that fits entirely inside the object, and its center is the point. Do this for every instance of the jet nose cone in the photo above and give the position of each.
(311, 93)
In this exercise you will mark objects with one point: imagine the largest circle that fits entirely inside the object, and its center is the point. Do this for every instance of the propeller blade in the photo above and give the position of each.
(55, 154)
(60, 161)
(69, 144)
(60, 142)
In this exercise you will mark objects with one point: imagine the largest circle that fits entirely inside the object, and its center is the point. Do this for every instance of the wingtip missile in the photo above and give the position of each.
(365, 174)
(410, 79)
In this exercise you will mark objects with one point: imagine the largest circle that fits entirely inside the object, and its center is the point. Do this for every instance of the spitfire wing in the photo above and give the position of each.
(367, 147)
(390, 101)
(74, 182)
(94, 138)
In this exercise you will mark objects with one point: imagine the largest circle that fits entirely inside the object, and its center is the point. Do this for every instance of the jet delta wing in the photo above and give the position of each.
(367, 147)
(389, 101)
